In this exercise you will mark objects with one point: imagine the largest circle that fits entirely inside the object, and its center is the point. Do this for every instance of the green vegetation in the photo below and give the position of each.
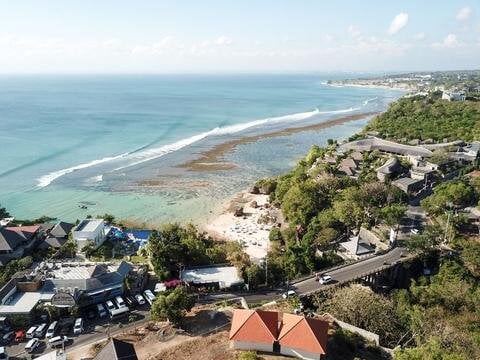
(7, 271)
(173, 305)
(442, 314)
(411, 118)
(448, 195)
(320, 208)
(173, 247)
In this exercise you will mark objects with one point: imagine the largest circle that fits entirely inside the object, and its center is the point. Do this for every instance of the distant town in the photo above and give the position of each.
(369, 248)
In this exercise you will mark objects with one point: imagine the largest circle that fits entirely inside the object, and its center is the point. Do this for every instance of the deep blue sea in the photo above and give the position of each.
(78, 145)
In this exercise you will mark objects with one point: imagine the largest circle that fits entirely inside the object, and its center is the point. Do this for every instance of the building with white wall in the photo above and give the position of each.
(90, 231)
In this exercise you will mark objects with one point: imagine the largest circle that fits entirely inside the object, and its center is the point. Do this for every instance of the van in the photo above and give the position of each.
(32, 345)
(57, 341)
(78, 327)
(40, 332)
(51, 330)
(119, 301)
(101, 310)
(31, 332)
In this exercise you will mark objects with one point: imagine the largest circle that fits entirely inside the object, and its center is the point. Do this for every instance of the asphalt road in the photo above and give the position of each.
(351, 272)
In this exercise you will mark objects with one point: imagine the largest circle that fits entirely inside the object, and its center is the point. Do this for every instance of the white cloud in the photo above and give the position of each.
(353, 31)
(464, 13)
(419, 36)
(223, 41)
(398, 23)
(450, 41)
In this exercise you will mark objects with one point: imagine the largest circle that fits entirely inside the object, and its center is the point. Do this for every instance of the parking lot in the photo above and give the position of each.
(94, 329)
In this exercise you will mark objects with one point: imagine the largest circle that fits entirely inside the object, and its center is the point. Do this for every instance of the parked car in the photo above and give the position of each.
(4, 324)
(8, 337)
(140, 299)
(32, 345)
(3, 353)
(31, 332)
(119, 301)
(414, 231)
(110, 305)
(19, 335)
(78, 327)
(325, 279)
(289, 293)
(149, 296)
(57, 341)
(51, 330)
(41, 329)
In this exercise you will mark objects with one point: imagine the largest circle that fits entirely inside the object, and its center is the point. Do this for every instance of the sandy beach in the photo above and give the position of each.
(251, 229)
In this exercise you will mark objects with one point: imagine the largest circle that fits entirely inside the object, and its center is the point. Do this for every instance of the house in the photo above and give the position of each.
(423, 173)
(453, 96)
(254, 330)
(90, 231)
(221, 276)
(387, 170)
(305, 338)
(16, 241)
(57, 236)
(117, 350)
(279, 333)
(408, 185)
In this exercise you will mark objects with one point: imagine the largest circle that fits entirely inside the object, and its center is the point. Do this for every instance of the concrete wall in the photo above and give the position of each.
(299, 353)
(362, 332)
(244, 345)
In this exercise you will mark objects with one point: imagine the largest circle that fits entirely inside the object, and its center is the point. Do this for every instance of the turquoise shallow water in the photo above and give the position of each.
(73, 140)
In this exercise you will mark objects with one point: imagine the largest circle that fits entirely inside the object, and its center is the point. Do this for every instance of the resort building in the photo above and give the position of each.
(453, 96)
(87, 283)
(219, 276)
(374, 143)
(279, 333)
(90, 231)
(16, 241)
(390, 168)
(56, 236)
(90, 283)
(409, 185)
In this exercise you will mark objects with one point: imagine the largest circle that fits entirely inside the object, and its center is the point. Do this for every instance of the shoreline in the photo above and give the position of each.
(373, 86)
(212, 159)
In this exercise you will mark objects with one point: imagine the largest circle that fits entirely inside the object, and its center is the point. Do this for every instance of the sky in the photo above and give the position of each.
(209, 36)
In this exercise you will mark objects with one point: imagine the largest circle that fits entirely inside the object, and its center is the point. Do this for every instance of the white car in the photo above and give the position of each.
(149, 296)
(57, 341)
(119, 301)
(3, 353)
(140, 299)
(51, 330)
(414, 231)
(32, 345)
(78, 327)
(31, 332)
(325, 279)
(110, 305)
(289, 293)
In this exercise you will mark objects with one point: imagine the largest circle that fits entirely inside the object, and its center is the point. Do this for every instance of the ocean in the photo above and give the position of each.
(74, 146)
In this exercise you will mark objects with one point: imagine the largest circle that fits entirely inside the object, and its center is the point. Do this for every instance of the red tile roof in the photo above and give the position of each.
(302, 333)
(25, 230)
(254, 326)
(291, 331)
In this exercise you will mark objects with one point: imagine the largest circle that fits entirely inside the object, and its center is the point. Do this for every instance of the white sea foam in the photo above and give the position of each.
(138, 157)
(46, 180)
